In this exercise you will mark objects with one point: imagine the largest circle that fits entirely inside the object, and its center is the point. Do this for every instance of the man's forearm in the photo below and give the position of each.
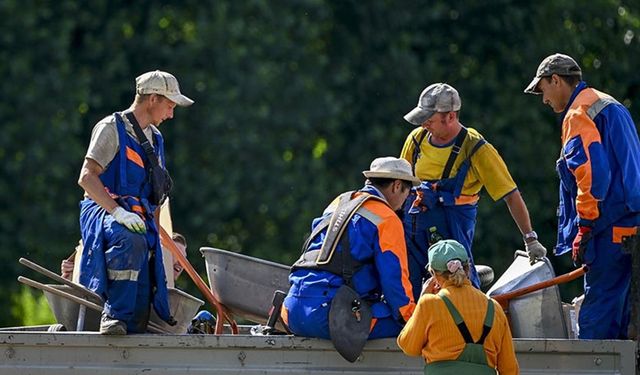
(90, 181)
(519, 212)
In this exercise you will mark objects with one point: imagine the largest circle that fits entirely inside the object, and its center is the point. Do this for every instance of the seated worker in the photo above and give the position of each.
(67, 265)
(181, 244)
(374, 239)
(458, 330)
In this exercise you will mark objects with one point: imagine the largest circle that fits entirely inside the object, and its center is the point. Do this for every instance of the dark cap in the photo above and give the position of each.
(559, 64)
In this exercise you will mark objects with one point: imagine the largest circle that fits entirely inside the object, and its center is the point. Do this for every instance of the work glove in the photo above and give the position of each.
(132, 221)
(580, 244)
(535, 250)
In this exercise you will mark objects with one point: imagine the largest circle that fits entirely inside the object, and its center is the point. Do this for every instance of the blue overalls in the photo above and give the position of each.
(436, 207)
(612, 164)
(116, 261)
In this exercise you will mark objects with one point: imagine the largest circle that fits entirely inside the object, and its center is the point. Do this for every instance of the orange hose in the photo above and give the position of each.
(223, 314)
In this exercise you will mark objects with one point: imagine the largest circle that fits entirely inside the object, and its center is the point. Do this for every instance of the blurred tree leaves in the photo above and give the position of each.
(293, 100)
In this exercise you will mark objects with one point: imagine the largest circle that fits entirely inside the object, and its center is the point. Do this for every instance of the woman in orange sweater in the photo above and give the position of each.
(458, 329)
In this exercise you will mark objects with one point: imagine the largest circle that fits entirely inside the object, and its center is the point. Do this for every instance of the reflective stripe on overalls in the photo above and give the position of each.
(473, 359)
(442, 206)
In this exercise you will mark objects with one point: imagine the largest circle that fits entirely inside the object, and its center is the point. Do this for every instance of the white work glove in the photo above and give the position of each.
(132, 221)
(535, 250)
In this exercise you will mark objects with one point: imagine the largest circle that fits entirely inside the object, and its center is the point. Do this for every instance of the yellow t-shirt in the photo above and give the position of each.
(487, 167)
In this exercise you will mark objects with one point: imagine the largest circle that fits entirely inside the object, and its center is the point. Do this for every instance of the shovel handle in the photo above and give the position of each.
(223, 314)
(503, 299)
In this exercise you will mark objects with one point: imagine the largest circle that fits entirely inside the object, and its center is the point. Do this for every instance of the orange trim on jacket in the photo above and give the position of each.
(577, 123)
(620, 232)
(391, 238)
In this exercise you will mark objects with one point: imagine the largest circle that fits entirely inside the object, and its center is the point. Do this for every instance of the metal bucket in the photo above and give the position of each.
(66, 311)
(244, 284)
(183, 307)
(538, 314)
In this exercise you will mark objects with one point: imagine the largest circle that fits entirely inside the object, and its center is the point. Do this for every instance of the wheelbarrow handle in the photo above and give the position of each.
(61, 293)
(223, 314)
(503, 299)
(86, 292)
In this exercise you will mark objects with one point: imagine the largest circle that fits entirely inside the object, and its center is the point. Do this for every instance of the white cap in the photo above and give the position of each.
(162, 83)
(390, 167)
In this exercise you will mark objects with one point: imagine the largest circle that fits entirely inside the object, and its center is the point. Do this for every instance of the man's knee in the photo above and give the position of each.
(125, 249)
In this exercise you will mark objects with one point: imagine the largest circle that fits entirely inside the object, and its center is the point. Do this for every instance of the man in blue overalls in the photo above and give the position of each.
(122, 259)
(454, 162)
(599, 169)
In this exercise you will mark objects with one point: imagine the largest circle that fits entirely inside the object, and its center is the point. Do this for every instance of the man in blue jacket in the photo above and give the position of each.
(122, 259)
(599, 169)
(375, 240)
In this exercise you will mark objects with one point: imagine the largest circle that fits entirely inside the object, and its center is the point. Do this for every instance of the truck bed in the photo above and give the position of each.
(68, 353)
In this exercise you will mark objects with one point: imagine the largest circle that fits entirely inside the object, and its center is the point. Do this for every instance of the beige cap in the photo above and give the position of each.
(390, 167)
(438, 97)
(162, 83)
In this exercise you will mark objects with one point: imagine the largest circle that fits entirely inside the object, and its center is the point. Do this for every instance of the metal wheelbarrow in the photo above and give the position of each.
(77, 308)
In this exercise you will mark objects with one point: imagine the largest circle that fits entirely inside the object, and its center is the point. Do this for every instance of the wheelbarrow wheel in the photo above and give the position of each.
(57, 328)
(485, 274)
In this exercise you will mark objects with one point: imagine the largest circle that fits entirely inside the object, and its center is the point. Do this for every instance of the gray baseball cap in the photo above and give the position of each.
(438, 97)
(555, 64)
(162, 83)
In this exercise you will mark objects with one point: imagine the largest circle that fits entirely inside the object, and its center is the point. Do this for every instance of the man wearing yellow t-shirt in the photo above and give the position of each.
(454, 163)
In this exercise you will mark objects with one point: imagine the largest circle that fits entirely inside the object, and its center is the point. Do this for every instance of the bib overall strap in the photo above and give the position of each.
(122, 149)
(462, 327)
(457, 318)
(416, 149)
(455, 150)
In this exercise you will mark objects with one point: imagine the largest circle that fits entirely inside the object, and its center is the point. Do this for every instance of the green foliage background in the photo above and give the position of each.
(293, 100)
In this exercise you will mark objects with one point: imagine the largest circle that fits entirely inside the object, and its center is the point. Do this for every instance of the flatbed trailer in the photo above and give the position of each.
(68, 353)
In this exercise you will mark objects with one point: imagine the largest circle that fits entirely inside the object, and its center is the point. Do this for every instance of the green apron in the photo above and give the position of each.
(473, 359)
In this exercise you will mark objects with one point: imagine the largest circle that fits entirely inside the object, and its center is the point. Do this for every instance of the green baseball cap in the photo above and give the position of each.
(445, 250)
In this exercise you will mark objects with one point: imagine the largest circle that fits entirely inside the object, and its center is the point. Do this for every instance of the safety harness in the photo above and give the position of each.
(323, 259)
